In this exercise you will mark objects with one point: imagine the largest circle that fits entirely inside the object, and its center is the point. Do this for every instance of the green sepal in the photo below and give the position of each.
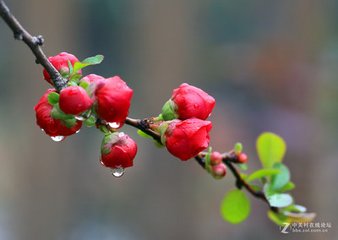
(57, 113)
(105, 130)
(84, 85)
(90, 122)
(69, 123)
(72, 83)
(162, 129)
(207, 157)
(169, 110)
(75, 77)
(53, 98)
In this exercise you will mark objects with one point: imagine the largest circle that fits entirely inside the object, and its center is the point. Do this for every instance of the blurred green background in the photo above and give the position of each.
(271, 65)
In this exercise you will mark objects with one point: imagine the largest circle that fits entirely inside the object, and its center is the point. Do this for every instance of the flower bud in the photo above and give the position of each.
(113, 98)
(215, 158)
(118, 150)
(52, 127)
(219, 171)
(188, 102)
(60, 62)
(242, 158)
(74, 100)
(92, 78)
(185, 139)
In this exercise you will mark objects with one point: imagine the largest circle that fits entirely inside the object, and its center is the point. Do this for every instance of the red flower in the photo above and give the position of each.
(190, 102)
(113, 98)
(185, 139)
(52, 127)
(118, 150)
(74, 100)
(60, 62)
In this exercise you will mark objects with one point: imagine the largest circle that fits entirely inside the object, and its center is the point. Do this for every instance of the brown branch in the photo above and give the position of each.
(229, 160)
(34, 43)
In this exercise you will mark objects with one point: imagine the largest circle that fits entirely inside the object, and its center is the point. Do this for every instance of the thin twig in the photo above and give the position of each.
(34, 43)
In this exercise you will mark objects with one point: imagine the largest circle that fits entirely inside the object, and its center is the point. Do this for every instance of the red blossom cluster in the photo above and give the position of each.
(90, 99)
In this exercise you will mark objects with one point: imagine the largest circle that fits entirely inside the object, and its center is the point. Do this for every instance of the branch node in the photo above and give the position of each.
(38, 40)
(18, 35)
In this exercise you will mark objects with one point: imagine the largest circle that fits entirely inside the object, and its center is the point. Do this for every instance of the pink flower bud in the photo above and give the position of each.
(215, 158)
(113, 97)
(74, 100)
(219, 171)
(118, 150)
(52, 127)
(190, 102)
(60, 62)
(185, 139)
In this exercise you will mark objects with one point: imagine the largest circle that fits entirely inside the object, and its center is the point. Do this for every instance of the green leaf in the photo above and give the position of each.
(277, 218)
(271, 149)
(295, 208)
(282, 178)
(53, 98)
(262, 173)
(87, 62)
(279, 200)
(235, 206)
(287, 187)
(243, 166)
(238, 148)
(93, 60)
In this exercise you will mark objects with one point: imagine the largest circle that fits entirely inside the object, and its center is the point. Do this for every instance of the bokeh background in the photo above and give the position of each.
(271, 65)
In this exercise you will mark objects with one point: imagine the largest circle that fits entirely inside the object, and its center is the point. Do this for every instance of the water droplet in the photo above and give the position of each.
(118, 171)
(77, 131)
(121, 134)
(42, 130)
(57, 138)
(80, 118)
(114, 125)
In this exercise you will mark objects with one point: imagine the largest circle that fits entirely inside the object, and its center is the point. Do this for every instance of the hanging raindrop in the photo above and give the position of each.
(77, 131)
(57, 138)
(114, 125)
(117, 172)
(80, 118)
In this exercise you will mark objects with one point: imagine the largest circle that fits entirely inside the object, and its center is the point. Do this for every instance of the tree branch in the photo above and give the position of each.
(34, 43)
